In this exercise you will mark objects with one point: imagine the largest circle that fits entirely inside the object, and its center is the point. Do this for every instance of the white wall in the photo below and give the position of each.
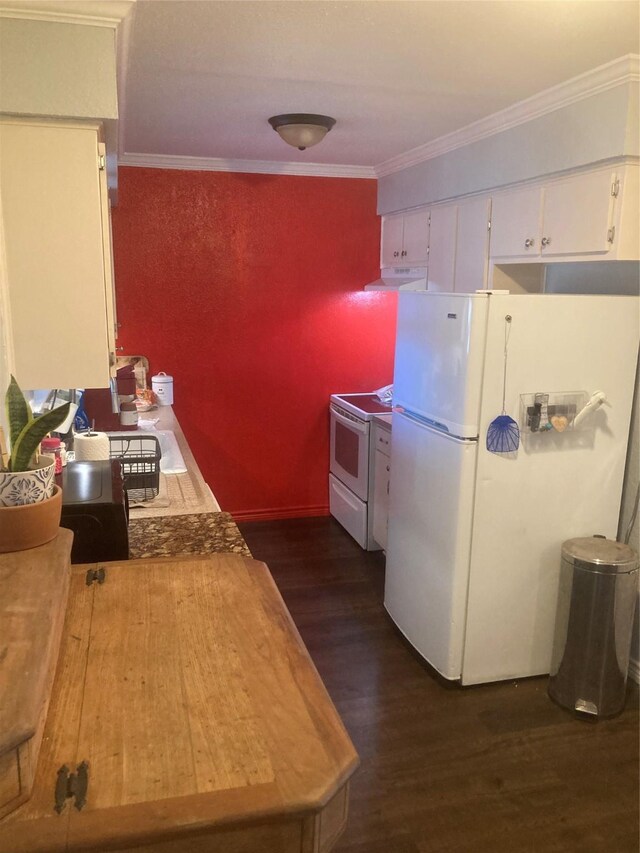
(57, 69)
(596, 128)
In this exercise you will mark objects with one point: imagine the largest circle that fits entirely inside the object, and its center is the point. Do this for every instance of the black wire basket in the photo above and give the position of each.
(140, 459)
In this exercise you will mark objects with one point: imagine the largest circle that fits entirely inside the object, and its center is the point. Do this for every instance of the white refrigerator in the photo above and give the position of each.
(473, 552)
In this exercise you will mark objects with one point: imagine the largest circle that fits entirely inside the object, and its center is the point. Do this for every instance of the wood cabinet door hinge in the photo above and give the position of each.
(611, 234)
(488, 225)
(71, 786)
(99, 575)
(615, 188)
(102, 162)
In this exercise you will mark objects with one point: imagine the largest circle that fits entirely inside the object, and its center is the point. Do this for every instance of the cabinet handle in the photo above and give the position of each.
(388, 468)
(395, 254)
(403, 253)
(528, 243)
(546, 241)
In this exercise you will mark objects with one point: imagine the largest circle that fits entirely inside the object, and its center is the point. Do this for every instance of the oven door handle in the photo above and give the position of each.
(357, 426)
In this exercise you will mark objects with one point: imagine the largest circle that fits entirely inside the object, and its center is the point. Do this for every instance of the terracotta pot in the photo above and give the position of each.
(30, 525)
(28, 487)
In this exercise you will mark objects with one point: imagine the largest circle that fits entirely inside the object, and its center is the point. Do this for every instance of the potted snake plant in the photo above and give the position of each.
(30, 501)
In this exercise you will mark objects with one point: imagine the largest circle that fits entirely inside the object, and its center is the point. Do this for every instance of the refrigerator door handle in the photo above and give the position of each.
(433, 427)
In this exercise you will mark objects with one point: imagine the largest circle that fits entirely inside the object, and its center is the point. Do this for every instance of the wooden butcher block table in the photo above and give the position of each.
(186, 715)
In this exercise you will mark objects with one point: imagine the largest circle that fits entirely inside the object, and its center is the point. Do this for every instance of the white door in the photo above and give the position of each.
(415, 238)
(558, 485)
(578, 213)
(442, 248)
(349, 510)
(349, 451)
(439, 358)
(429, 540)
(391, 241)
(56, 246)
(380, 508)
(472, 245)
(516, 223)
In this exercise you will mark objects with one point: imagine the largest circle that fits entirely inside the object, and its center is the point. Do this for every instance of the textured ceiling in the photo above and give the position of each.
(204, 76)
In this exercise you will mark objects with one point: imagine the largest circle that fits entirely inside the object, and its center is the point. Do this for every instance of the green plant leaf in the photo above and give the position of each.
(32, 434)
(18, 411)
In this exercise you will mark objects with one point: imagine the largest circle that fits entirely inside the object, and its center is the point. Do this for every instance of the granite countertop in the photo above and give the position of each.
(188, 520)
(196, 533)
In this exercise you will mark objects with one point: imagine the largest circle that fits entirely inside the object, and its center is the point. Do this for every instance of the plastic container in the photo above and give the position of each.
(162, 387)
(594, 621)
(128, 413)
(53, 447)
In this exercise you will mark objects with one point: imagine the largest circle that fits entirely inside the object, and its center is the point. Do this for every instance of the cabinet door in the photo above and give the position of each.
(54, 245)
(472, 245)
(578, 213)
(442, 248)
(391, 250)
(415, 238)
(516, 223)
(107, 246)
(381, 498)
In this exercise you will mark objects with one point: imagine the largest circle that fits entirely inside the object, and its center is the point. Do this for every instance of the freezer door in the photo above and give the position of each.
(439, 358)
(429, 540)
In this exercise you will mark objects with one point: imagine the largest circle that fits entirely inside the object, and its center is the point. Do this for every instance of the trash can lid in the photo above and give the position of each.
(606, 554)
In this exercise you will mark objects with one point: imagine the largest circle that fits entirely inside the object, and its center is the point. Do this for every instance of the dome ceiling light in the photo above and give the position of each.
(302, 130)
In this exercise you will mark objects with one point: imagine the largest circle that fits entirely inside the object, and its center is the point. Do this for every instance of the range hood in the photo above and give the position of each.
(400, 278)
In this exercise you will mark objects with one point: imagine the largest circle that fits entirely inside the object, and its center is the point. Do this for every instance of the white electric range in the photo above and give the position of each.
(351, 463)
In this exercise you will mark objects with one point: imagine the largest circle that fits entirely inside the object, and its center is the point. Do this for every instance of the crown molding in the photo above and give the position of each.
(261, 167)
(94, 13)
(623, 70)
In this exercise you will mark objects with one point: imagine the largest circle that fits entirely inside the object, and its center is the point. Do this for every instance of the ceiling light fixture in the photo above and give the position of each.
(302, 130)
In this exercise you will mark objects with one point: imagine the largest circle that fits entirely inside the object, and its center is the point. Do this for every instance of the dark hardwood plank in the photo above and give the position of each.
(491, 768)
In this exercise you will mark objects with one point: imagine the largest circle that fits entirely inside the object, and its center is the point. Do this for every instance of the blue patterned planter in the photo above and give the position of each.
(28, 487)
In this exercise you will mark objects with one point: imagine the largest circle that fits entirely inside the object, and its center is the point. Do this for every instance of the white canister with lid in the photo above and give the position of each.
(162, 387)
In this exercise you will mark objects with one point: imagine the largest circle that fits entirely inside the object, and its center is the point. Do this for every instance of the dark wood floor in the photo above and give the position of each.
(492, 768)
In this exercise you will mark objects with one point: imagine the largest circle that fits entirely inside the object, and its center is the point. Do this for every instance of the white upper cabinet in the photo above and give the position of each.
(577, 215)
(516, 223)
(588, 215)
(442, 248)
(391, 247)
(416, 237)
(405, 238)
(569, 217)
(57, 289)
(472, 244)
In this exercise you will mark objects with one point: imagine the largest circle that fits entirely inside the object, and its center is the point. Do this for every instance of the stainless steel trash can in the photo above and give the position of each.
(594, 620)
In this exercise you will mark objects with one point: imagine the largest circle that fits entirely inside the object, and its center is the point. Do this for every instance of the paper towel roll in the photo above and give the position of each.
(91, 447)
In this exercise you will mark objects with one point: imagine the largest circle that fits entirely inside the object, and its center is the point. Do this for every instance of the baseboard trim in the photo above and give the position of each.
(279, 514)
(634, 670)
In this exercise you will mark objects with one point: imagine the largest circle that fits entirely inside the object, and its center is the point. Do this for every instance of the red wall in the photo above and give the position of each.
(248, 290)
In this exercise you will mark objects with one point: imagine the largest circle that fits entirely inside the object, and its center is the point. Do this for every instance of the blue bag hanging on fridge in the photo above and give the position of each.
(503, 433)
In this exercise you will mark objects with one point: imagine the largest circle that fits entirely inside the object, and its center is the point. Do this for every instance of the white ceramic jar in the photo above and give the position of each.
(162, 387)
